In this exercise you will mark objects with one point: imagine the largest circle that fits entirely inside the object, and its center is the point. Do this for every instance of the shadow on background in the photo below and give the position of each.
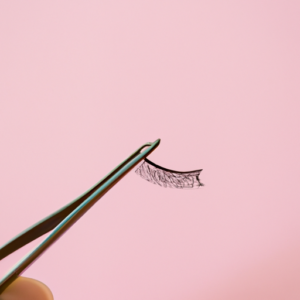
(277, 278)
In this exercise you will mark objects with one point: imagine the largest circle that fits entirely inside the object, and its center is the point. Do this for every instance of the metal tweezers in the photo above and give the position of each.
(65, 217)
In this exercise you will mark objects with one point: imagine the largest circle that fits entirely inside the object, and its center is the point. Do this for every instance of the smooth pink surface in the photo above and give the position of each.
(85, 83)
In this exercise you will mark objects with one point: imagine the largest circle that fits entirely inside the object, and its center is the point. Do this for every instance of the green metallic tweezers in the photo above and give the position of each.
(65, 217)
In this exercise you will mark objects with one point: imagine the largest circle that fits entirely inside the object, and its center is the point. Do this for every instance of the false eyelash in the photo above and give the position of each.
(168, 178)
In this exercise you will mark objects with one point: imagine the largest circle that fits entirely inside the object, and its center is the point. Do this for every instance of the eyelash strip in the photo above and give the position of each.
(168, 178)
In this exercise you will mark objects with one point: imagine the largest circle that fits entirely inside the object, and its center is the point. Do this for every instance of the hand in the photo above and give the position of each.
(26, 289)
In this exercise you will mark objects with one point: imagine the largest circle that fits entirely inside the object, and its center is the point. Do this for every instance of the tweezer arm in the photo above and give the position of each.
(51, 221)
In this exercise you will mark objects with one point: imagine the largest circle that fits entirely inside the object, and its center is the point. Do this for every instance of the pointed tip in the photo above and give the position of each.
(157, 141)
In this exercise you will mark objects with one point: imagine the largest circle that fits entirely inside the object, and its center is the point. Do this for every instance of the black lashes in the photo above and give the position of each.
(169, 178)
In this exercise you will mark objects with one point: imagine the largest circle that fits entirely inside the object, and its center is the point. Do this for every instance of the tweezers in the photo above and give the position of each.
(65, 217)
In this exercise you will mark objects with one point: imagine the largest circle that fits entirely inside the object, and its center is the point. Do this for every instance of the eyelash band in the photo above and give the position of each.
(168, 178)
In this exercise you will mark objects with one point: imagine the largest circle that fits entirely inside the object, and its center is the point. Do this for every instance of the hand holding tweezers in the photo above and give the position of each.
(65, 217)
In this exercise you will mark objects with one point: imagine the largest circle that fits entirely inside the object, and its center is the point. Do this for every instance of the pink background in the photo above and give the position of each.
(85, 83)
